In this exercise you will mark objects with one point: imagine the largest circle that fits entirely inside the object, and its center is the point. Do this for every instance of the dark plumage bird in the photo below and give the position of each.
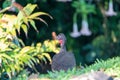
(63, 60)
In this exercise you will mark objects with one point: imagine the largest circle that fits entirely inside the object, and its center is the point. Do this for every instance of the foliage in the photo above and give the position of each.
(23, 75)
(83, 46)
(22, 20)
(105, 39)
(14, 56)
(102, 44)
(110, 67)
(83, 8)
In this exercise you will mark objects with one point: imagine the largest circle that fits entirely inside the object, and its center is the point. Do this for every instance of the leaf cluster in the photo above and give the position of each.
(13, 56)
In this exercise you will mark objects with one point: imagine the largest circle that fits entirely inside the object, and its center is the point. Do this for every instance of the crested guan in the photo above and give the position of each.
(63, 60)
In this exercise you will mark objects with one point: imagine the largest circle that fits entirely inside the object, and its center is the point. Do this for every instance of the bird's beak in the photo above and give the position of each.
(54, 35)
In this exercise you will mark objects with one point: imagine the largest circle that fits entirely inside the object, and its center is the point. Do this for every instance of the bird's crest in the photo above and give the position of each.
(61, 36)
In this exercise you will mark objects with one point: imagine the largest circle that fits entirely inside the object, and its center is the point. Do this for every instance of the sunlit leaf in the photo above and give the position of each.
(25, 28)
(8, 71)
(36, 14)
(12, 68)
(22, 43)
(17, 26)
(34, 59)
(5, 9)
(33, 25)
(25, 20)
(31, 62)
(13, 32)
(20, 16)
(6, 56)
(26, 49)
(41, 20)
(29, 9)
(15, 57)
(47, 56)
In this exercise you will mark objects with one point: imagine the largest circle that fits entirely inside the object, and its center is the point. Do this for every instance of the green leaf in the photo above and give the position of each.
(41, 20)
(25, 21)
(5, 9)
(31, 62)
(17, 26)
(33, 24)
(6, 56)
(25, 28)
(34, 59)
(12, 68)
(37, 60)
(17, 67)
(8, 71)
(22, 43)
(26, 49)
(47, 56)
(20, 16)
(36, 14)
(29, 9)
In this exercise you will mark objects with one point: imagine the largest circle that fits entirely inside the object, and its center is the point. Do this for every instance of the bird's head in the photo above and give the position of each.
(61, 38)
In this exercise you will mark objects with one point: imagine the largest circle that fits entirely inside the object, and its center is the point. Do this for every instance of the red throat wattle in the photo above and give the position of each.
(60, 41)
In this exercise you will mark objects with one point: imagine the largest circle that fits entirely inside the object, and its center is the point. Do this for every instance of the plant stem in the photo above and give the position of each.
(7, 8)
(75, 17)
(104, 20)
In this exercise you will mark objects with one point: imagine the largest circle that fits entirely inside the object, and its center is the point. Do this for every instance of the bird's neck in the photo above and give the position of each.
(63, 49)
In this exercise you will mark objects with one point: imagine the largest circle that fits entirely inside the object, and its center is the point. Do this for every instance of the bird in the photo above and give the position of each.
(64, 60)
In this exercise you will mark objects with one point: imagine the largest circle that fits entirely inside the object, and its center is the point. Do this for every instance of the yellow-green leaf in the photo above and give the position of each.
(25, 28)
(33, 25)
(29, 8)
(6, 56)
(25, 21)
(47, 56)
(13, 32)
(26, 49)
(36, 14)
(41, 20)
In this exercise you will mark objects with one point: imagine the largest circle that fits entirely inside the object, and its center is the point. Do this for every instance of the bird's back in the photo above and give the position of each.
(63, 61)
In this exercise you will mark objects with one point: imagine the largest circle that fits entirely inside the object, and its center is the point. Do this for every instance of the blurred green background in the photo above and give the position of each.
(103, 43)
